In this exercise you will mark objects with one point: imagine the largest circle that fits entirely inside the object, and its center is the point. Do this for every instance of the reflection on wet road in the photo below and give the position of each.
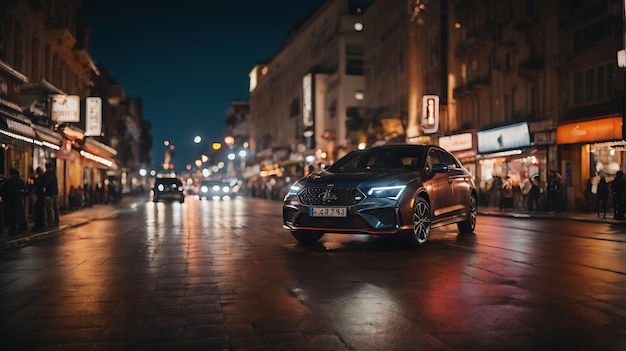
(223, 274)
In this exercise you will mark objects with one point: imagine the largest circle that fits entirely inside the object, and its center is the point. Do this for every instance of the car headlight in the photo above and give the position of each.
(293, 190)
(391, 192)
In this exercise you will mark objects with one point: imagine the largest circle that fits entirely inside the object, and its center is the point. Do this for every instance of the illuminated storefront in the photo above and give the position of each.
(589, 149)
(506, 152)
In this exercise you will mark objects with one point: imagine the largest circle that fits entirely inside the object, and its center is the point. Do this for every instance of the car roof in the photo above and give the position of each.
(163, 180)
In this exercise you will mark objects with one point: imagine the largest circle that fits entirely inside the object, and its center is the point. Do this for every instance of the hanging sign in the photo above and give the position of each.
(93, 116)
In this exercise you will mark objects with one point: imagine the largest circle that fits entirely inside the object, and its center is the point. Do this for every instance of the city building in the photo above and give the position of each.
(300, 98)
(52, 109)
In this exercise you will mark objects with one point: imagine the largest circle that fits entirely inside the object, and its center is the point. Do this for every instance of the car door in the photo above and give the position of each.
(460, 185)
(439, 185)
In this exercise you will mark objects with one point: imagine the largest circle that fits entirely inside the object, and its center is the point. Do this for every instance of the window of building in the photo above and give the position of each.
(354, 67)
(586, 37)
(590, 82)
(578, 87)
(594, 84)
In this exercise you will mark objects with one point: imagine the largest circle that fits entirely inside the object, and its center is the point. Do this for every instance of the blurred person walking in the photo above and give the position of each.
(51, 195)
(13, 193)
(602, 194)
(555, 192)
(496, 191)
(39, 207)
(618, 187)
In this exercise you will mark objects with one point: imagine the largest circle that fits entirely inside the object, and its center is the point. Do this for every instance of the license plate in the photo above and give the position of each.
(328, 212)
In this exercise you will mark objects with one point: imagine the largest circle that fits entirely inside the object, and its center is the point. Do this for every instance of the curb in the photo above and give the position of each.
(548, 216)
(28, 238)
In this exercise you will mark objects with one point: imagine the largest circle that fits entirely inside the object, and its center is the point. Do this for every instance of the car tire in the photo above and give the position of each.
(468, 225)
(422, 221)
(307, 237)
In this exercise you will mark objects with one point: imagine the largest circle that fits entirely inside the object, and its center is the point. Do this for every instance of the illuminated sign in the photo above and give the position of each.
(65, 108)
(430, 114)
(307, 100)
(603, 129)
(456, 142)
(504, 138)
(93, 116)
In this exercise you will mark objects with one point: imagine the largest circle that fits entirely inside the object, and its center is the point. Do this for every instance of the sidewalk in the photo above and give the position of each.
(68, 219)
(584, 216)
(103, 211)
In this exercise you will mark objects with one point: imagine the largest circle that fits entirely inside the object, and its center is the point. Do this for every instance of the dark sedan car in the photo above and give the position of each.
(402, 189)
(168, 188)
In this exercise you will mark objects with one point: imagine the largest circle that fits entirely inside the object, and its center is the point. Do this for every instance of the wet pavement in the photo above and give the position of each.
(68, 219)
(104, 211)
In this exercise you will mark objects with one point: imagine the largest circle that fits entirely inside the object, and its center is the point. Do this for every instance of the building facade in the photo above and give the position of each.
(301, 97)
(56, 112)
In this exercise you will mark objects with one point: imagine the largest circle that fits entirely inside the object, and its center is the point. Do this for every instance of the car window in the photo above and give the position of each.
(387, 158)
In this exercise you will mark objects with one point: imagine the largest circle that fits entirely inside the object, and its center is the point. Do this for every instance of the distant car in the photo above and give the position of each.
(168, 188)
(404, 190)
(210, 188)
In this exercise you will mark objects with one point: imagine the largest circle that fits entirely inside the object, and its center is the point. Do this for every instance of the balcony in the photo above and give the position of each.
(471, 87)
(61, 37)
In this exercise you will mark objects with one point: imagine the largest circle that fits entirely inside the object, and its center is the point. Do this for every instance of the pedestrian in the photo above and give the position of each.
(533, 195)
(39, 207)
(496, 191)
(525, 189)
(51, 195)
(602, 196)
(555, 192)
(13, 193)
(618, 187)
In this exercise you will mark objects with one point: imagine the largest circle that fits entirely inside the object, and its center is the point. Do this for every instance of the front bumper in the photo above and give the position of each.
(361, 219)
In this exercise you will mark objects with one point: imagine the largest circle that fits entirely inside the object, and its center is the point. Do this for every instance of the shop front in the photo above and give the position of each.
(590, 149)
(506, 152)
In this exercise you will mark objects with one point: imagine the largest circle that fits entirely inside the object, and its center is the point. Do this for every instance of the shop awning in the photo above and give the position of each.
(100, 153)
(48, 137)
(16, 128)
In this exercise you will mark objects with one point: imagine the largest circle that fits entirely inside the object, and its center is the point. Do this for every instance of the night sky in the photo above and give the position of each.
(187, 59)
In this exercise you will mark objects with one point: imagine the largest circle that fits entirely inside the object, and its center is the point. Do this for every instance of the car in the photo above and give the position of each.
(168, 188)
(403, 190)
(211, 188)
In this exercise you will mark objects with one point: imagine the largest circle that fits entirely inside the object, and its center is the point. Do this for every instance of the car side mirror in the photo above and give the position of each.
(439, 167)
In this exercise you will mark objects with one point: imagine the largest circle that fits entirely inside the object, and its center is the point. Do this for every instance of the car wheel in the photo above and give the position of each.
(468, 225)
(421, 223)
(307, 237)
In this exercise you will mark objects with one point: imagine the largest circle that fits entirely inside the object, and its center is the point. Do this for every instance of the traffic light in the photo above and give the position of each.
(430, 114)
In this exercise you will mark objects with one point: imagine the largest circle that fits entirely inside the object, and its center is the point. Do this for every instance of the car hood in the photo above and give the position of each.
(361, 179)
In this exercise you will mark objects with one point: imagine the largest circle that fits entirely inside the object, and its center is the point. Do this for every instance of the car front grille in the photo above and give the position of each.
(331, 196)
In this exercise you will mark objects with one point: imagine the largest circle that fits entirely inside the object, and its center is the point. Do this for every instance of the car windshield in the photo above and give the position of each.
(380, 159)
